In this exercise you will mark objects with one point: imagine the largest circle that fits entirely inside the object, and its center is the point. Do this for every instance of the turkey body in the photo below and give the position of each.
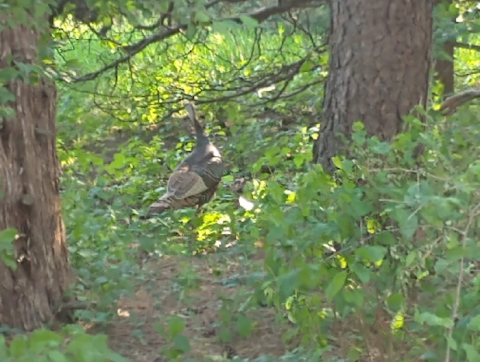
(196, 179)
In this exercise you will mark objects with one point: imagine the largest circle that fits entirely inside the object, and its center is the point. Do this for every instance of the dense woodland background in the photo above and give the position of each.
(369, 255)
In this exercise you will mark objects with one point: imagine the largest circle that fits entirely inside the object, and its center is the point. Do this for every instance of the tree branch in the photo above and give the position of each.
(467, 46)
(450, 105)
(259, 15)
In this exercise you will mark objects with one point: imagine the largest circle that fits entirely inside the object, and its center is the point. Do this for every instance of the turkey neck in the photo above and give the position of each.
(202, 139)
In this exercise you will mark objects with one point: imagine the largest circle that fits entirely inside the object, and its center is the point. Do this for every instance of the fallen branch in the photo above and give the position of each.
(450, 105)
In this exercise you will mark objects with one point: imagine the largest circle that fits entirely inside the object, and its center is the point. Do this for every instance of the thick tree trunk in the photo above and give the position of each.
(29, 181)
(378, 68)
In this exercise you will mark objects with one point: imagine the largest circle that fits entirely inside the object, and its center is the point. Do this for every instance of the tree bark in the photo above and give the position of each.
(445, 68)
(29, 183)
(378, 69)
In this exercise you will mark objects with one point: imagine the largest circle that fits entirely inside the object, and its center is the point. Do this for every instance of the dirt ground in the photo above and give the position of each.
(156, 300)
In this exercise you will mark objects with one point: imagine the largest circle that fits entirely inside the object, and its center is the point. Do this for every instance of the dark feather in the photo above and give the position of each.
(195, 180)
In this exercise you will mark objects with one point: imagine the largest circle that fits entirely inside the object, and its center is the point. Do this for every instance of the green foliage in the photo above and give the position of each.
(7, 251)
(70, 344)
(399, 226)
(377, 246)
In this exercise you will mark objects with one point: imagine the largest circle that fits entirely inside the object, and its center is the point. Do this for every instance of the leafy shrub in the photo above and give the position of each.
(71, 344)
(384, 250)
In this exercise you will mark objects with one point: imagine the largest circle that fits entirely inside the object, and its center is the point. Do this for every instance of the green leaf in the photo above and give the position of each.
(306, 66)
(354, 296)
(6, 95)
(395, 301)
(357, 126)
(191, 31)
(248, 21)
(456, 253)
(8, 74)
(7, 112)
(18, 346)
(298, 160)
(471, 351)
(385, 238)
(181, 343)
(42, 337)
(452, 343)
(441, 265)
(7, 235)
(360, 208)
(159, 329)
(119, 161)
(175, 325)
(202, 17)
(337, 162)
(56, 356)
(434, 320)
(362, 273)
(408, 222)
(371, 253)
(3, 349)
(223, 27)
(115, 357)
(244, 326)
(377, 147)
(336, 285)
(474, 324)
(8, 260)
(410, 258)
(359, 135)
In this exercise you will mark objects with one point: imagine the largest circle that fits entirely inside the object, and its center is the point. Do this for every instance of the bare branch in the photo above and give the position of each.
(450, 105)
(131, 50)
(467, 46)
(471, 217)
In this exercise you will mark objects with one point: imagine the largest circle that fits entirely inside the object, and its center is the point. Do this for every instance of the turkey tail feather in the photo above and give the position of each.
(159, 206)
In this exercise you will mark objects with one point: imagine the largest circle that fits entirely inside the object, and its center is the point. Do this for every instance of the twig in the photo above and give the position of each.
(467, 46)
(132, 50)
(473, 214)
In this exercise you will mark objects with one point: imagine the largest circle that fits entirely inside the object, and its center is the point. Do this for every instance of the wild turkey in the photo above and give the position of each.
(195, 180)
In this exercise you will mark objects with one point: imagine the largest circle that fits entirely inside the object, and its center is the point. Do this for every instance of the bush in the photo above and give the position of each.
(379, 258)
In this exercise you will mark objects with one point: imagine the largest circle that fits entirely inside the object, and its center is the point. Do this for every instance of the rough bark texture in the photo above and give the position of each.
(29, 182)
(378, 68)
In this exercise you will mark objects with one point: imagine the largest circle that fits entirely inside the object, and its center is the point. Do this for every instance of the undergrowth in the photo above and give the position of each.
(377, 262)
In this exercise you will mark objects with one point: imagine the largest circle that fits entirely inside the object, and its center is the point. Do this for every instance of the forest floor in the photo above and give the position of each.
(199, 308)
(134, 332)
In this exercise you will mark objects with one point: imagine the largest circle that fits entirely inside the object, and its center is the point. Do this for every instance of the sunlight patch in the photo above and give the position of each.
(245, 204)
(123, 313)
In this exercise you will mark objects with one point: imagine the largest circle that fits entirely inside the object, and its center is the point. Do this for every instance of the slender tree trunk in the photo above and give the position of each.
(29, 184)
(445, 68)
(378, 69)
